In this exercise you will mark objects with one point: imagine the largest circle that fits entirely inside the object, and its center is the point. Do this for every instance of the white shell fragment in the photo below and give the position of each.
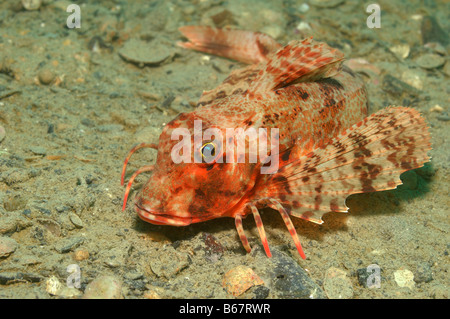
(401, 50)
(404, 278)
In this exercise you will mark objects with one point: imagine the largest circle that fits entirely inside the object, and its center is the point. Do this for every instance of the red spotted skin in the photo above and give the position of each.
(328, 147)
(307, 114)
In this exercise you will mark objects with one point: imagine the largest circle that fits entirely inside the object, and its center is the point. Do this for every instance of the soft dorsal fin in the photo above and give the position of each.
(299, 61)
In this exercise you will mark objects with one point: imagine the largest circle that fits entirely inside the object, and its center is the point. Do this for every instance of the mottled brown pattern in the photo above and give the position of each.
(328, 147)
(369, 157)
(235, 84)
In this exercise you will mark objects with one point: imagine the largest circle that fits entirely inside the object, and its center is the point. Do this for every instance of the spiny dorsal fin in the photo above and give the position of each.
(299, 61)
(368, 157)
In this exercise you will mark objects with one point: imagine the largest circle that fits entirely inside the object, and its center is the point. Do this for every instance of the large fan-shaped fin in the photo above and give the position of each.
(369, 156)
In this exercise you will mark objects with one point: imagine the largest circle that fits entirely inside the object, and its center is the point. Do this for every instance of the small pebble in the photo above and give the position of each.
(363, 275)
(150, 95)
(240, 279)
(401, 50)
(412, 78)
(7, 246)
(337, 285)
(2, 133)
(9, 278)
(76, 220)
(446, 68)
(404, 278)
(444, 117)
(302, 26)
(81, 254)
(303, 8)
(14, 202)
(275, 31)
(38, 150)
(51, 225)
(13, 223)
(437, 108)
(430, 61)
(287, 279)
(423, 273)
(436, 47)
(398, 87)
(370, 278)
(115, 257)
(46, 76)
(134, 275)
(55, 288)
(104, 287)
(256, 292)
(52, 285)
(31, 5)
(68, 244)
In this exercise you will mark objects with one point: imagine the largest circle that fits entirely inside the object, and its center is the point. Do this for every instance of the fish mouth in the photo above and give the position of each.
(155, 218)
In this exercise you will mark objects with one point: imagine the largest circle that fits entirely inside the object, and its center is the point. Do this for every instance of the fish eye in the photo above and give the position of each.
(208, 150)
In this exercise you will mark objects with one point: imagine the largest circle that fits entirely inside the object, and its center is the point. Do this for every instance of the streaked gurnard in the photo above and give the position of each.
(328, 146)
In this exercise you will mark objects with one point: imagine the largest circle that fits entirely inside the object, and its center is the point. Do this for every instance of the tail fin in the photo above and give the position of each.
(368, 157)
(244, 46)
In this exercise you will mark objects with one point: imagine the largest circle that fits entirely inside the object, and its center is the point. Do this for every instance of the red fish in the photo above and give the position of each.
(327, 146)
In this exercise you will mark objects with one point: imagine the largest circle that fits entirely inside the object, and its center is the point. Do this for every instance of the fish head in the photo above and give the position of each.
(192, 180)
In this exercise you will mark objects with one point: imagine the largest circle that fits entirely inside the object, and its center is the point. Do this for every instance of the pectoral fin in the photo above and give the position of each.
(370, 156)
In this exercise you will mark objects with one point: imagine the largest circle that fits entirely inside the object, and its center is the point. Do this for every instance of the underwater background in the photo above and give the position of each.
(80, 85)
